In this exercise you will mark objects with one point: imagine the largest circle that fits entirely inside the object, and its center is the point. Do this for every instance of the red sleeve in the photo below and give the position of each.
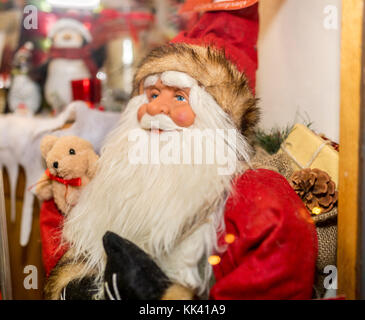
(275, 248)
(51, 222)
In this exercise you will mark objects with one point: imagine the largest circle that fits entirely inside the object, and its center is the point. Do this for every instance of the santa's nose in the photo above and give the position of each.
(156, 107)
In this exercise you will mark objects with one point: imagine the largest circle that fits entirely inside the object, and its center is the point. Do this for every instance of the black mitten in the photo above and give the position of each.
(80, 289)
(130, 273)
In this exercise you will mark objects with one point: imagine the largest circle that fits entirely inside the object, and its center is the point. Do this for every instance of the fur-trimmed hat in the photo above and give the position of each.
(213, 71)
(71, 24)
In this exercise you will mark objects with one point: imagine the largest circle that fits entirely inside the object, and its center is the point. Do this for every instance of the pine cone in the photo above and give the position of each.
(315, 188)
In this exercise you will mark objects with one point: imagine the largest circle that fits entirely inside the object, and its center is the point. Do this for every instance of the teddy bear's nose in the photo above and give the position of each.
(55, 164)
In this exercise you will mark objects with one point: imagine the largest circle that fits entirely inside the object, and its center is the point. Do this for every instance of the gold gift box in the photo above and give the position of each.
(308, 150)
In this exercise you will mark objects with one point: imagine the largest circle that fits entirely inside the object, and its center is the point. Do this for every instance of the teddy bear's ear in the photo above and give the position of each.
(92, 160)
(47, 144)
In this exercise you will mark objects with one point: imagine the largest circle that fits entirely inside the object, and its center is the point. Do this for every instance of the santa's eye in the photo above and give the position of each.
(179, 97)
(154, 96)
(72, 151)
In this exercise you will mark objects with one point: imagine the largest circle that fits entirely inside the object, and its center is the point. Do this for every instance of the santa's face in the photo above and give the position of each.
(170, 101)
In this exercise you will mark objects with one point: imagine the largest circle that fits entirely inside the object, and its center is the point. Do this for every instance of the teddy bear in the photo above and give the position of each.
(71, 164)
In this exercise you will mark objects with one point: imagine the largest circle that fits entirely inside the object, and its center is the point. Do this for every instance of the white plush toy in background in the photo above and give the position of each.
(70, 60)
(24, 95)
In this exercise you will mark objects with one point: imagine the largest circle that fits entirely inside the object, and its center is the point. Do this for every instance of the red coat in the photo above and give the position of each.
(51, 222)
(275, 248)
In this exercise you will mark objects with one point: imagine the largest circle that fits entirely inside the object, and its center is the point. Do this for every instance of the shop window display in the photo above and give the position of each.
(107, 194)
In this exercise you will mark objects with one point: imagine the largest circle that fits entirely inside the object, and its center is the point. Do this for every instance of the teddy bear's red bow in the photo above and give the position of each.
(76, 182)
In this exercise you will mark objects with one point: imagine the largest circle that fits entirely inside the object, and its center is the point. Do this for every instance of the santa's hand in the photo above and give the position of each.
(130, 273)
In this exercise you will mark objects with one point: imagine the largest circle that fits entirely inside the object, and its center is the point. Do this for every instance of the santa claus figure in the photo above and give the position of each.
(70, 60)
(174, 185)
(175, 212)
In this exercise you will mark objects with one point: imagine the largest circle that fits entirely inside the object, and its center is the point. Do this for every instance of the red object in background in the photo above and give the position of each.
(111, 24)
(51, 223)
(5, 80)
(88, 90)
(274, 251)
(7, 57)
(234, 31)
(83, 53)
(210, 5)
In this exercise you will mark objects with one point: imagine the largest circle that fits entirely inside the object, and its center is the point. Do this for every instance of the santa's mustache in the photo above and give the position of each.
(159, 121)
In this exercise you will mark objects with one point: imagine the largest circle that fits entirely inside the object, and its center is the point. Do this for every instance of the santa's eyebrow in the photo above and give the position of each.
(151, 80)
(178, 79)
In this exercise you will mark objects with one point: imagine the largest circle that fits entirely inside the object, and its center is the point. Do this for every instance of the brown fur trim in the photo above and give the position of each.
(178, 292)
(213, 71)
(61, 275)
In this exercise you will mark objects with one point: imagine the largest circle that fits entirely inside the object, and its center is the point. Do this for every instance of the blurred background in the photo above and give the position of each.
(114, 36)
(298, 53)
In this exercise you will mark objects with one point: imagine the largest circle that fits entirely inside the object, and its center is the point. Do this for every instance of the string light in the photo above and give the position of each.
(316, 210)
(229, 238)
(214, 260)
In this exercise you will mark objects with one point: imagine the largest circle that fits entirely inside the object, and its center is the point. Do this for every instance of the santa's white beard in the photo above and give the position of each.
(172, 211)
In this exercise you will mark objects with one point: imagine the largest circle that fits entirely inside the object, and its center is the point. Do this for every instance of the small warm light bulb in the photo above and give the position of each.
(316, 210)
(214, 260)
(229, 238)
